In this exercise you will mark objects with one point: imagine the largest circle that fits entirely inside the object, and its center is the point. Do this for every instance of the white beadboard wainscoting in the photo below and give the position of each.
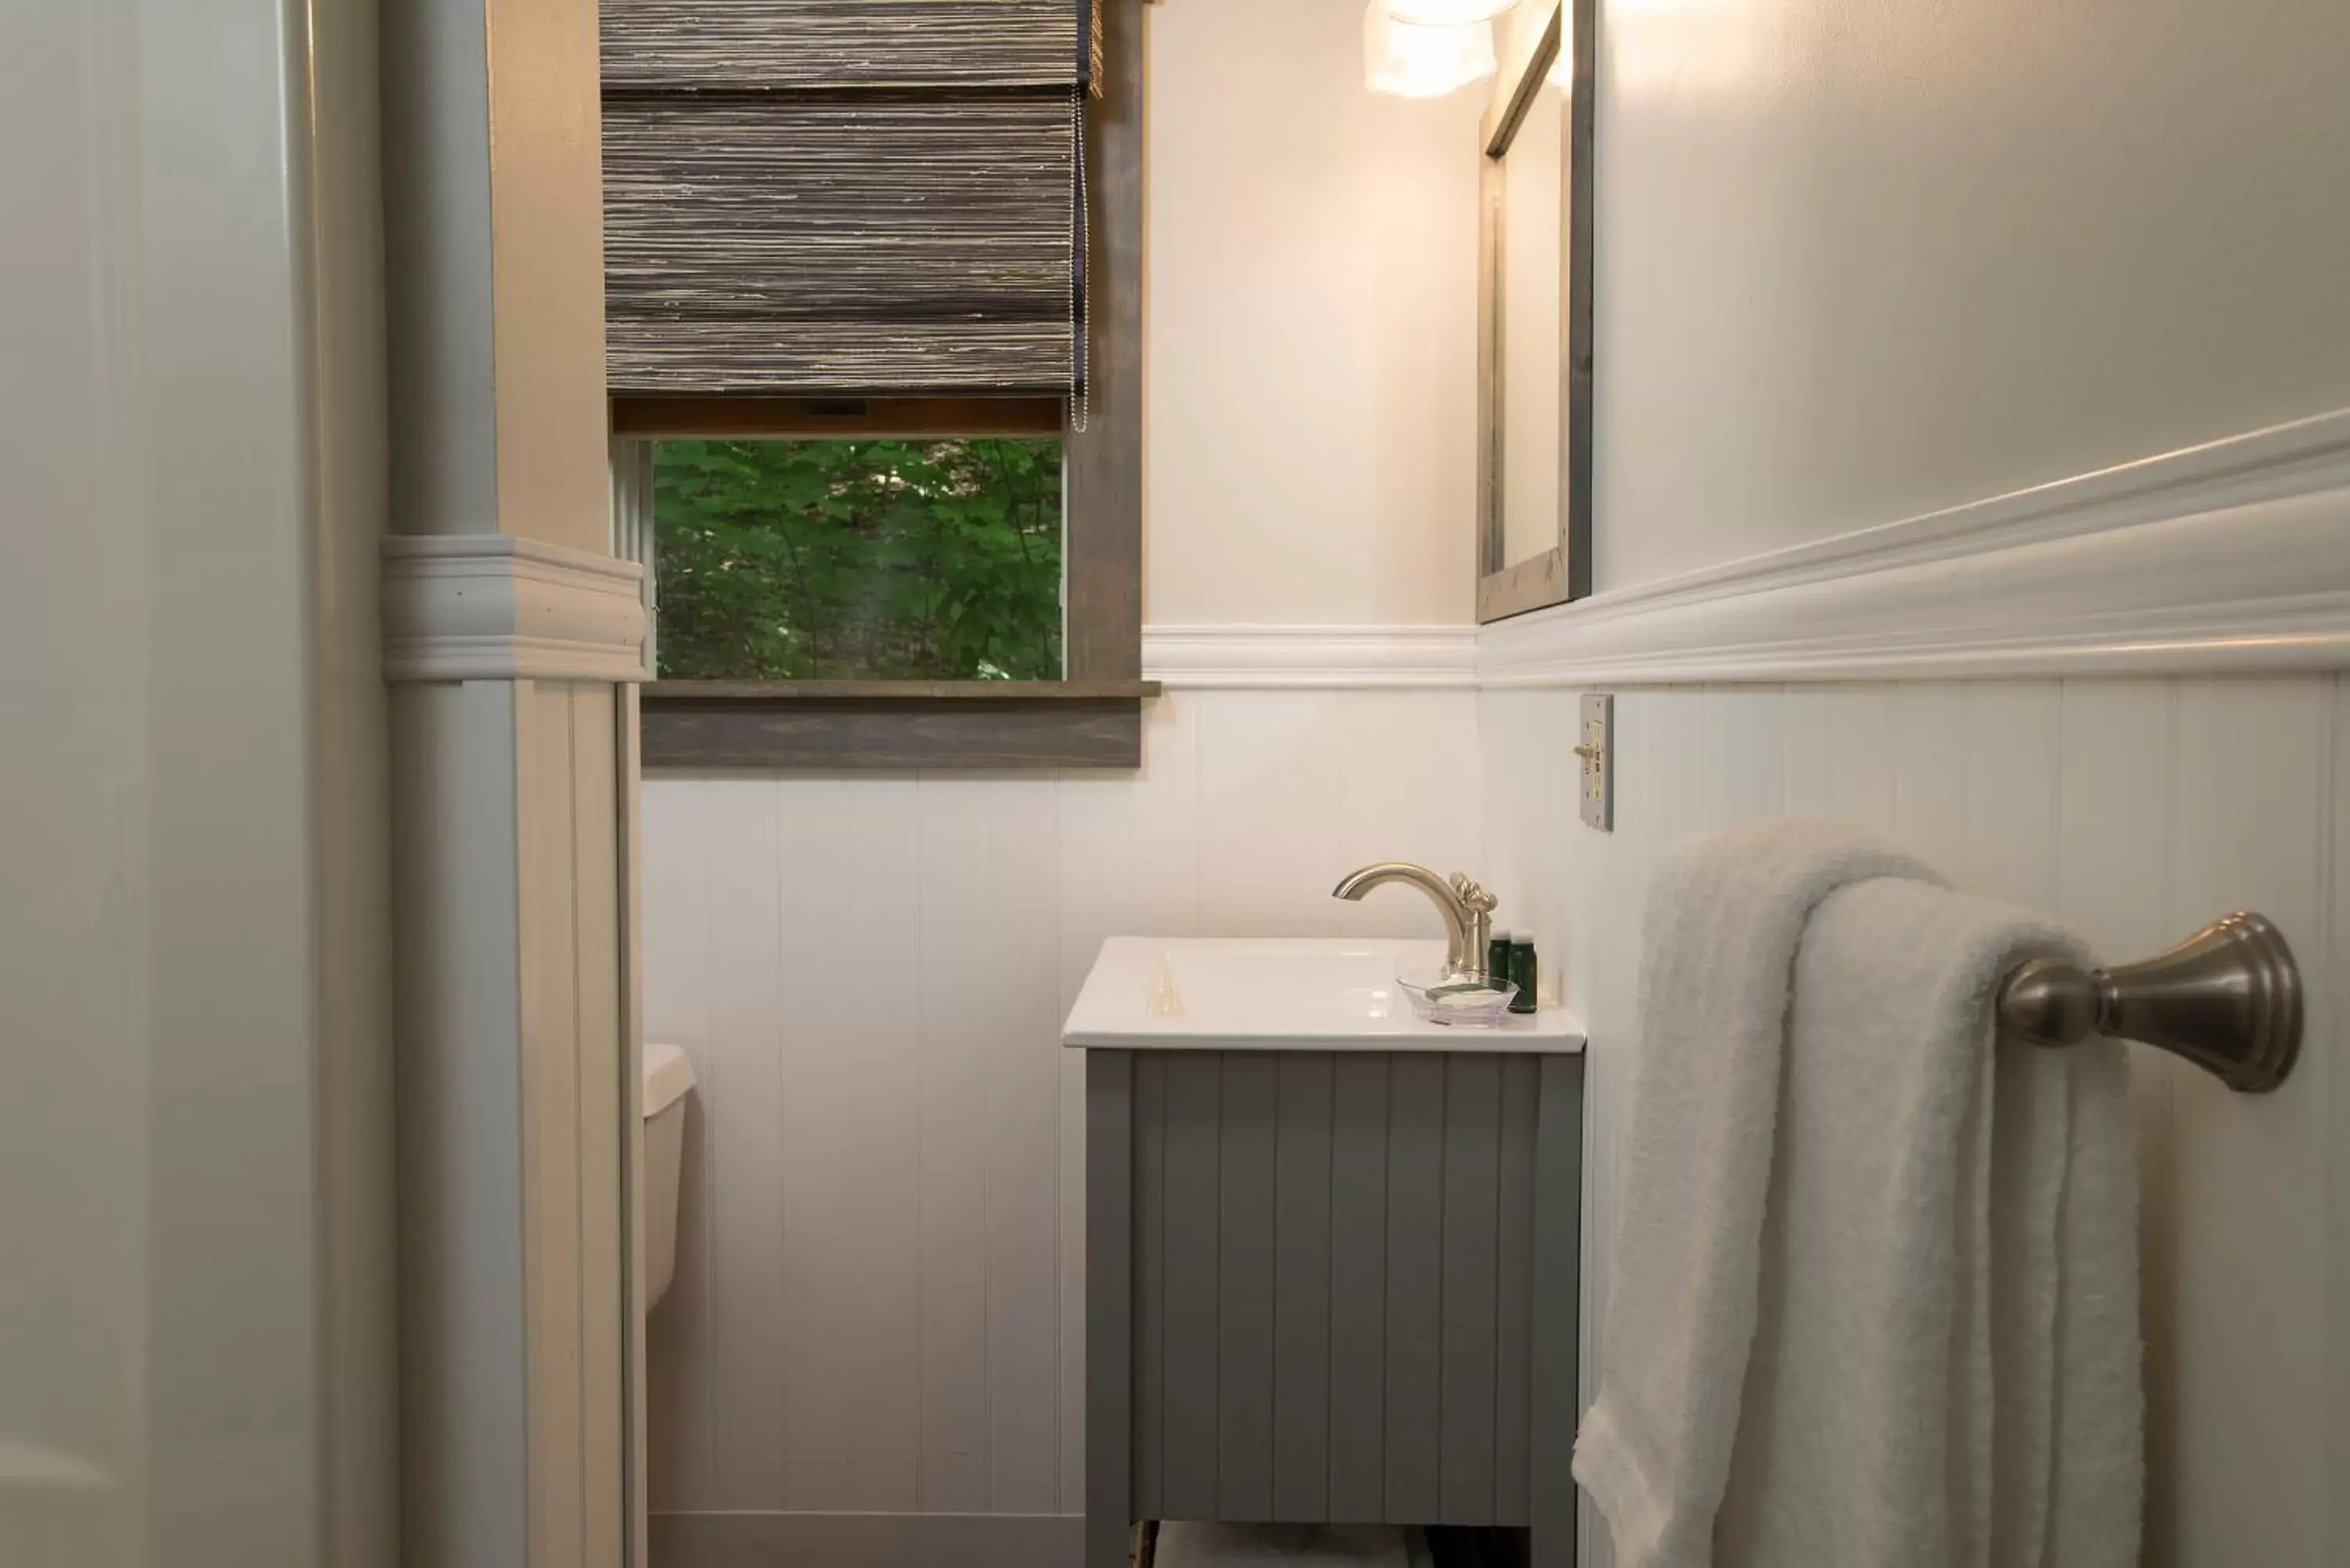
(879, 1296)
(878, 1302)
(2138, 809)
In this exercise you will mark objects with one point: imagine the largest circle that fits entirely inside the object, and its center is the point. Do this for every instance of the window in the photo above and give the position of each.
(848, 330)
(895, 558)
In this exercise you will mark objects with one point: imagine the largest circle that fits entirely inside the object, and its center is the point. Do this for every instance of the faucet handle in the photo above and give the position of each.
(1472, 894)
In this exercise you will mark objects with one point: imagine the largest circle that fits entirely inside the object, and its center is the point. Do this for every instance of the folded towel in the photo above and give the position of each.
(1912, 1339)
(1725, 915)
(1938, 1208)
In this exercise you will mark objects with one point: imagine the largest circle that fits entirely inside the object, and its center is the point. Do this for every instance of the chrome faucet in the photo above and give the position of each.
(1467, 909)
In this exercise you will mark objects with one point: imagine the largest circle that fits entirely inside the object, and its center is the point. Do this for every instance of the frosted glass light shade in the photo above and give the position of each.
(1409, 60)
(1446, 12)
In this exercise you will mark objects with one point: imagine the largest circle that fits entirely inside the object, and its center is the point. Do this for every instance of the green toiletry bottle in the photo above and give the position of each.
(1523, 973)
(1497, 958)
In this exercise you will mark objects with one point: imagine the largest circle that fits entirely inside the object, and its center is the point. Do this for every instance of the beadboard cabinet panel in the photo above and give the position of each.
(1338, 1276)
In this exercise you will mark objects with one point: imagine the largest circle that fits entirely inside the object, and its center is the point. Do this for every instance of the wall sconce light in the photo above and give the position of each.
(1416, 59)
(1446, 12)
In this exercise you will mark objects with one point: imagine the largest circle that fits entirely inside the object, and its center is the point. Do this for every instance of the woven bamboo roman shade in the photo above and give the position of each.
(844, 197)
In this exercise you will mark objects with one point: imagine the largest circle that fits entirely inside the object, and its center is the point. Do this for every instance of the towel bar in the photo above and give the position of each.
(2228, 998)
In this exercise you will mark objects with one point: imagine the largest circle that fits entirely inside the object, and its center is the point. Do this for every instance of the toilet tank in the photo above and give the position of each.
(668, 1077)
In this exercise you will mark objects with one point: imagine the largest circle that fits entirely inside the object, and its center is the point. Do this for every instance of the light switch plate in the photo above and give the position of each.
(1595, 751)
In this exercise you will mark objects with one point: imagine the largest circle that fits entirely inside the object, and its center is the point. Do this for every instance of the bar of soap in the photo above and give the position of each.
(1457, 987)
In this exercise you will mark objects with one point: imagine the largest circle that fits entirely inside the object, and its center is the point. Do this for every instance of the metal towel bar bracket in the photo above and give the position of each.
(2228, 998)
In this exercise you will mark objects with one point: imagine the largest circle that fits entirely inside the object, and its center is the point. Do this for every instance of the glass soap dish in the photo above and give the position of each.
(1441, 997)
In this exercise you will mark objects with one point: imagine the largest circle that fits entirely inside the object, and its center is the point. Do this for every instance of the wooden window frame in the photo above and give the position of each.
(1092, 717)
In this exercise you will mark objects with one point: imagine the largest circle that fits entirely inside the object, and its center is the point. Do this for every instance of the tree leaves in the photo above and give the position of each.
(860, 559)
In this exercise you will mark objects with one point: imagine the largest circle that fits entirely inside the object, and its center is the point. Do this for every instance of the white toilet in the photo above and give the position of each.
(667, 1075)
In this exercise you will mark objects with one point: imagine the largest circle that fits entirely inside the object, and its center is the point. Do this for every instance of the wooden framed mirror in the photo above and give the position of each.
(1533, 474)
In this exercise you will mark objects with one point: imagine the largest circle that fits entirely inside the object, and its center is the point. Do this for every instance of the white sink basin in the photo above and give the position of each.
(1279, 993)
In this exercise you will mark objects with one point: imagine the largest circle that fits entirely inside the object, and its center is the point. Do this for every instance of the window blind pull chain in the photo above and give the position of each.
(1081, 340)
(1094, 47)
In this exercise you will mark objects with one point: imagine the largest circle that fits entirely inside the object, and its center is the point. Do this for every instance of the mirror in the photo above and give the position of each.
(1534, 382)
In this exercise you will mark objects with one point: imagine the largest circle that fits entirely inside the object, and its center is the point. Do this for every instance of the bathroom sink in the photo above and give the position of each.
(1279, 993)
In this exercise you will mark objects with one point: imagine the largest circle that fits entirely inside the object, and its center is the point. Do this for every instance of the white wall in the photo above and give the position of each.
(2135, 810)
(879, 1305)
(1310, 363)
(1861, 261)
(195, 1349)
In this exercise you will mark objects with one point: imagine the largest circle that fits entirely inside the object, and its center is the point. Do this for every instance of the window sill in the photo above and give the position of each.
(893, 724)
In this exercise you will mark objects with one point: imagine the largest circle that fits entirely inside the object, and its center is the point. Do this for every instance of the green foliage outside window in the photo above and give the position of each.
(937, 559)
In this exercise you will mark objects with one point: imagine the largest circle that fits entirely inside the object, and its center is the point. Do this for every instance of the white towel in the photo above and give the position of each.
(1871, 1375)
(1725, 915)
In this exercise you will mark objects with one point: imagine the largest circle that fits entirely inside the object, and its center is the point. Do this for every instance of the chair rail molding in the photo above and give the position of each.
(495, 606)
(1240, 658)
(2229, 557)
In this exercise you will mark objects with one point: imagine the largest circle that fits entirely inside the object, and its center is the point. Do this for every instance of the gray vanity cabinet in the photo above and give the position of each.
(1332, 1287)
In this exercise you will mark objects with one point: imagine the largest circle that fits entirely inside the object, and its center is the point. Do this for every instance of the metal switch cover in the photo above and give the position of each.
(1596, 750)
